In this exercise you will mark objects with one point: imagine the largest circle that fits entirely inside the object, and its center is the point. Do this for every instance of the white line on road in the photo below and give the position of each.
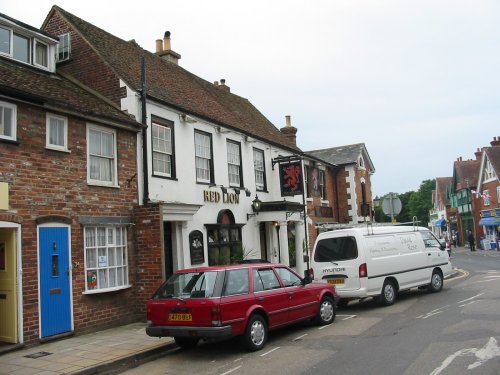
(468, 303)
(347, 317)
(270, 351)
(298, 338)
(230, 371)
(471, 298)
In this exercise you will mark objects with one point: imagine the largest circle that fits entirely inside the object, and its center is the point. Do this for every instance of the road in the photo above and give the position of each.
(456, 331)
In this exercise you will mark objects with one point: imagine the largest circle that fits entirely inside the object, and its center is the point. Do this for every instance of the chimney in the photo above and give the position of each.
(289, 131)
(495, 142)
(223, 86)
(164, 49)
(478, 153)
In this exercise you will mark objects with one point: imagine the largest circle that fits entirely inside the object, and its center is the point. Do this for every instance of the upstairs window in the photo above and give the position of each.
(203, 157)
(163, 155)
(5, 41)
(8, 121)
(101, 148)
(259, 168)
(64, 47)
(321, 183)
(21, 50)
(41, 54)
(234, 164)
(57, 132)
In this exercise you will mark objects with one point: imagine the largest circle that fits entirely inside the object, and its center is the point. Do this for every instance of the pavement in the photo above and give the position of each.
(109, 351)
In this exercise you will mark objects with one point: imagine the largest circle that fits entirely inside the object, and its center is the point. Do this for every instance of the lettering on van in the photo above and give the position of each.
(333, 269)
(409, 243)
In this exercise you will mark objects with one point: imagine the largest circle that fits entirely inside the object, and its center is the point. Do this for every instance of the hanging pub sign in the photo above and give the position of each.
(196, 247)
(313, 182)
(291, 178)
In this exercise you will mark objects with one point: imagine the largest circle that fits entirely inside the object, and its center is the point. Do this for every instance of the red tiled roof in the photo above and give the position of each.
(467, 173)
(175, 86)
(58, 93)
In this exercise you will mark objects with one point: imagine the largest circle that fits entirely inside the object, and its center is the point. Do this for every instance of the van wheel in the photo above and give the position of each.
(436, 282)
(186, 342)
(256, 333)
(388, 295)
(326, 313)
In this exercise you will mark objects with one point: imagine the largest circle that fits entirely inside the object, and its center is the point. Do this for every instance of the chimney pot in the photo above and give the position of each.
(222, 81)
(159, 45)
(166, 41)
(288, 121)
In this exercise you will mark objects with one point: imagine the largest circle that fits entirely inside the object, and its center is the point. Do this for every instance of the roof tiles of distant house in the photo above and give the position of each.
(466, 173)
(57, 93)
(441, 185)
(342, 155)
(174, 86)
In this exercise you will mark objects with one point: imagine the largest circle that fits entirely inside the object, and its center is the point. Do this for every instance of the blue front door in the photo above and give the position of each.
(55, 303)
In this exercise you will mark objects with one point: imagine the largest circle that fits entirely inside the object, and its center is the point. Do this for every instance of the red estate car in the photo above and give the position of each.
(236, 300)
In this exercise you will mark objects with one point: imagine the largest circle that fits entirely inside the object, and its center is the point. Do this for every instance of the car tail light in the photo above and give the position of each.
(363, 271)
(216, 317)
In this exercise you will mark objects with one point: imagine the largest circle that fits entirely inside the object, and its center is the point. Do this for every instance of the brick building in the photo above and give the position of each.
(68, 188)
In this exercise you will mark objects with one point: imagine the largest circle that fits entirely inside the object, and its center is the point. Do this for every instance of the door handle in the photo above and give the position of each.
(261, 299)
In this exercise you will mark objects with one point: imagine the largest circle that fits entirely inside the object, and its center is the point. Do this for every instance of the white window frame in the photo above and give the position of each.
(113, 158)
(36, 42)
(203, 157)
(234, 163)
(259, 169)
(105, 254)
(64, 47)
(52, 146)
(9, 52)
(13, 119)
(167, 150)
(321, 178)
(486, 197)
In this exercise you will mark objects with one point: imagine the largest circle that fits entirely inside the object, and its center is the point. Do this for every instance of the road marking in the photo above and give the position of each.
(466, 304)
(347, 317)
(471, 298)
(230, 371)
(270, 351)
(298, 338)
(484, 354)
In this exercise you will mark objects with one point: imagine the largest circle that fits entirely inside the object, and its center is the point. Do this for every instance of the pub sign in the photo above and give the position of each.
(291, 178)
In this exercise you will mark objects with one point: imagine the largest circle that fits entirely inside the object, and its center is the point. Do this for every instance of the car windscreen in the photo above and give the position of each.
(336, 249)
(188, 285)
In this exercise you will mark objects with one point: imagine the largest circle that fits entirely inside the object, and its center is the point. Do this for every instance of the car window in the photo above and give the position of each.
(236, 282)
(265, 279)
(188, 285)
(335, 249)
(288, 277)
(430, 240)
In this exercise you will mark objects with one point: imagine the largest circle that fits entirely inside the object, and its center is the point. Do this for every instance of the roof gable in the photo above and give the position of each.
(174, 86)
(344, 155)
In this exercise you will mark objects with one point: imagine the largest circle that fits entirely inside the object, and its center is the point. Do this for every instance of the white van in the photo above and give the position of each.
(379, 261)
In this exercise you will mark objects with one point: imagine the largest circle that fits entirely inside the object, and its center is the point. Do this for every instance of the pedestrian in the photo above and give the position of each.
(472, 241)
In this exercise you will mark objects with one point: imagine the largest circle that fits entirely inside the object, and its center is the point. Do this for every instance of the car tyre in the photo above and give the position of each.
(186, 342)
(326, 313)
(256, 333)
(388, 295)
(436, 282)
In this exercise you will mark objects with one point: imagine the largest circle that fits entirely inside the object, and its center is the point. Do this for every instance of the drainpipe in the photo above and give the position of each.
(144, 119)
(335, 183)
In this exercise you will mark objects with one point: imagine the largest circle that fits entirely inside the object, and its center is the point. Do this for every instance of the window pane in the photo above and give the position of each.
(91, 258)
(56, 132)
(21, 48)
(63, 48)
(6, 121)
(4, 40)
(41, 54)
(103, 279)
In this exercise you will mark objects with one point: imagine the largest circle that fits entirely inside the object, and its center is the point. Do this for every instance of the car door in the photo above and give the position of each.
(302, 301)
(271, 295)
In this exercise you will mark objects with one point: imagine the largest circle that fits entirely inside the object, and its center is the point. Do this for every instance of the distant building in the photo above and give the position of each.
(439, 215)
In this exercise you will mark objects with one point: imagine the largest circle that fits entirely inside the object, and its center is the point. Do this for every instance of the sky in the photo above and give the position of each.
(418, 82)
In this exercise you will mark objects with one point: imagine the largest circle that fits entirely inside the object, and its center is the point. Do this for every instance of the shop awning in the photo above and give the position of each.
(440, 223)
(490, 221)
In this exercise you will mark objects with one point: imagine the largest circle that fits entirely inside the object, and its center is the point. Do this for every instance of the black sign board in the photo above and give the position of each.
(291, 178)
(196, 247)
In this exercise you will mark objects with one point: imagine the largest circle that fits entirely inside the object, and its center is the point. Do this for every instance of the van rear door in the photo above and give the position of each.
(338, 262)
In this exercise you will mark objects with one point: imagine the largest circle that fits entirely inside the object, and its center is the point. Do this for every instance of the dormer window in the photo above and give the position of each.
(64, 47)
(21, 48)
(41, 54)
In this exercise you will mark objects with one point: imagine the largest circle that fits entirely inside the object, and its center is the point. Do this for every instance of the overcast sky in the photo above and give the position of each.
(417, 81)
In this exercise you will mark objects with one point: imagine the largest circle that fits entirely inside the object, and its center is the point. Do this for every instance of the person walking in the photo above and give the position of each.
(472, 241)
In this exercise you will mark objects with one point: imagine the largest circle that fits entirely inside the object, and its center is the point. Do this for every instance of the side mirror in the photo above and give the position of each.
(307, 278)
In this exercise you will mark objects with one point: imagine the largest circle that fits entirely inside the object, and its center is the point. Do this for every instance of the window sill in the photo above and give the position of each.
(58, 149)
(99, 291)
(95, 183)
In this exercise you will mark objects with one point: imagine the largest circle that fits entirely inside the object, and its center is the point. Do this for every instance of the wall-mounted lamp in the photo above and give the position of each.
(186, 118)
(256, 205)
(248, 192)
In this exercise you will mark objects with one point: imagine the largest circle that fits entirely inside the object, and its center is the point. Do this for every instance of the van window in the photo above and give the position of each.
(334, 249)
(430, 240)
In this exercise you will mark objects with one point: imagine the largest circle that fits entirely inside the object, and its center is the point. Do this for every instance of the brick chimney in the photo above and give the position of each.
(164, 50)
(495, 142)
(478, 153)
(289, 131)
(222, 85)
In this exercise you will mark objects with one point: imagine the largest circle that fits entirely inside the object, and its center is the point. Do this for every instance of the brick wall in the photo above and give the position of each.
(44, 182)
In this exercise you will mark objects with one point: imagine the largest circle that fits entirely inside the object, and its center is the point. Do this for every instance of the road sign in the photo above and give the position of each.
(391, 205)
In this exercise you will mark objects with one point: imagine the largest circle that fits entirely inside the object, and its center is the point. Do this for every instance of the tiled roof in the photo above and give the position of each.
(58, 93)
(441, 185)
(342, 155)
(175, 86)
(466, 173)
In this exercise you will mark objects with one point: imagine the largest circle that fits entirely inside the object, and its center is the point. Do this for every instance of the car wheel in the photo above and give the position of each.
(326, 313)
(388, 295)
(256, 333)
(186, 342)
(436, 282)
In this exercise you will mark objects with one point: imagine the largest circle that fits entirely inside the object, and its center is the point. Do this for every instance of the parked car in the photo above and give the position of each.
(244, 300)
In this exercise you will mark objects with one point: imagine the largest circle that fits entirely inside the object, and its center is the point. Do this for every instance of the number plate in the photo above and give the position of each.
(180, 317)
(336, 281)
